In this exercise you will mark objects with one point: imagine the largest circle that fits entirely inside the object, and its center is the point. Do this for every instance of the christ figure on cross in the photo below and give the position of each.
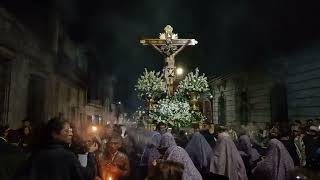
(169, 45)
(170, 68)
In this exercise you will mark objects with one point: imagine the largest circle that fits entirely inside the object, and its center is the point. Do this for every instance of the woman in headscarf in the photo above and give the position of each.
(227, 160)
(277, 164)
(249, 155)
(178, 154)
(200, 153)
(170, 151)
(167, 140)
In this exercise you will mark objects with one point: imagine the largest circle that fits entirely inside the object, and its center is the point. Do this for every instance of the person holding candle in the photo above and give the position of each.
(113, 164)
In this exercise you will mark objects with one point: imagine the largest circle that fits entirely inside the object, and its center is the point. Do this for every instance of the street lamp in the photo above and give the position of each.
(211, 104)
(179, 71)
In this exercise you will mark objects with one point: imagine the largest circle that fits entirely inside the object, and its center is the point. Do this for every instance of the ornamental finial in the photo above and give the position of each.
(168, 29)
(168, 33)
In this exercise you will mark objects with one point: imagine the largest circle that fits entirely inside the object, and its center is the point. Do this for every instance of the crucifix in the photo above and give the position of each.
(169, 45)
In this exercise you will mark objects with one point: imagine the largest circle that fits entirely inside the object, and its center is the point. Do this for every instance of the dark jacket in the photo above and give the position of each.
(90, 172)
(209, 137)
(54, 162)
(289, 144)
(11, 160)
(311, 143)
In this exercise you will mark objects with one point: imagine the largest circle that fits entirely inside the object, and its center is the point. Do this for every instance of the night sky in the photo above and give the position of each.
(232, 34)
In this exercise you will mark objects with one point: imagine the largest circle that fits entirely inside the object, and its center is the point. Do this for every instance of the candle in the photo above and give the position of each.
(94, 128)
(109, 178)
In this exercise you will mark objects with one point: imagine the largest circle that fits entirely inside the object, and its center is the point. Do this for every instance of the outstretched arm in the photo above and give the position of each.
(181, 48)
(157, 48)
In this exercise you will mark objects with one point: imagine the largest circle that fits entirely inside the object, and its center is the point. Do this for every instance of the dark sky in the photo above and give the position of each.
(231, 34)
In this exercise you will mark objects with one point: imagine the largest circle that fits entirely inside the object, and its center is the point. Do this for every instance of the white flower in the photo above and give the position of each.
(194, 82)
(172, 112)
(150, 82)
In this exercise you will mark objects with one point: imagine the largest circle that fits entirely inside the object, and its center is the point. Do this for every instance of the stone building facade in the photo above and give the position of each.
(102, 114)
(40, 77)
(242, 97)
(279, 90)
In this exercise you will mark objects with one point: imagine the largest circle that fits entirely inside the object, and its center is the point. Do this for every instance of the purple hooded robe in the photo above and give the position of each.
(150, 152)
(277, 165)
(167, 140)
(245, 148)
(178, 154)
(200, 152)
(227, 160)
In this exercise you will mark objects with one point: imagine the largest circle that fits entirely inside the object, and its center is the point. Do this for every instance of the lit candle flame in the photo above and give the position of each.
(109, 178)
(94, 128)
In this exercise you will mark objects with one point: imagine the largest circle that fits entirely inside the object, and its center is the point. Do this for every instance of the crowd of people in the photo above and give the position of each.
(60, 151)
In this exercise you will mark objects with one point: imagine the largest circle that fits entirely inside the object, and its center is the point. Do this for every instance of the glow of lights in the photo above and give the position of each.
(298, 177)
(94, 128)
(109, 178)
(179, 71)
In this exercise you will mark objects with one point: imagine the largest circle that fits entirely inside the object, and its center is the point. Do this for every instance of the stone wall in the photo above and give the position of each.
(246, 96)
(281, 89)
(224, 88)
(259, 96)
(303, 86)
(63, 93)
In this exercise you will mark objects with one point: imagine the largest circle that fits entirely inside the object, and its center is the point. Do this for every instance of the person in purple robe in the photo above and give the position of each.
(227, 160)
(250, 155)
(170, 151)
(200, 153)
(178, 154)
(167, 140)
(277, 164)
(151, 152)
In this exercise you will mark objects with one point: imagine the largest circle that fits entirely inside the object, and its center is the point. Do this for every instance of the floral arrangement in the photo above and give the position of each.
(177, 111)
(193, 82)
(197, 116)
(172, 112)
(150, 84)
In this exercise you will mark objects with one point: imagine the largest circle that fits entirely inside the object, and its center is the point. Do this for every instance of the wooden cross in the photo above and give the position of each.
(169, 45)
